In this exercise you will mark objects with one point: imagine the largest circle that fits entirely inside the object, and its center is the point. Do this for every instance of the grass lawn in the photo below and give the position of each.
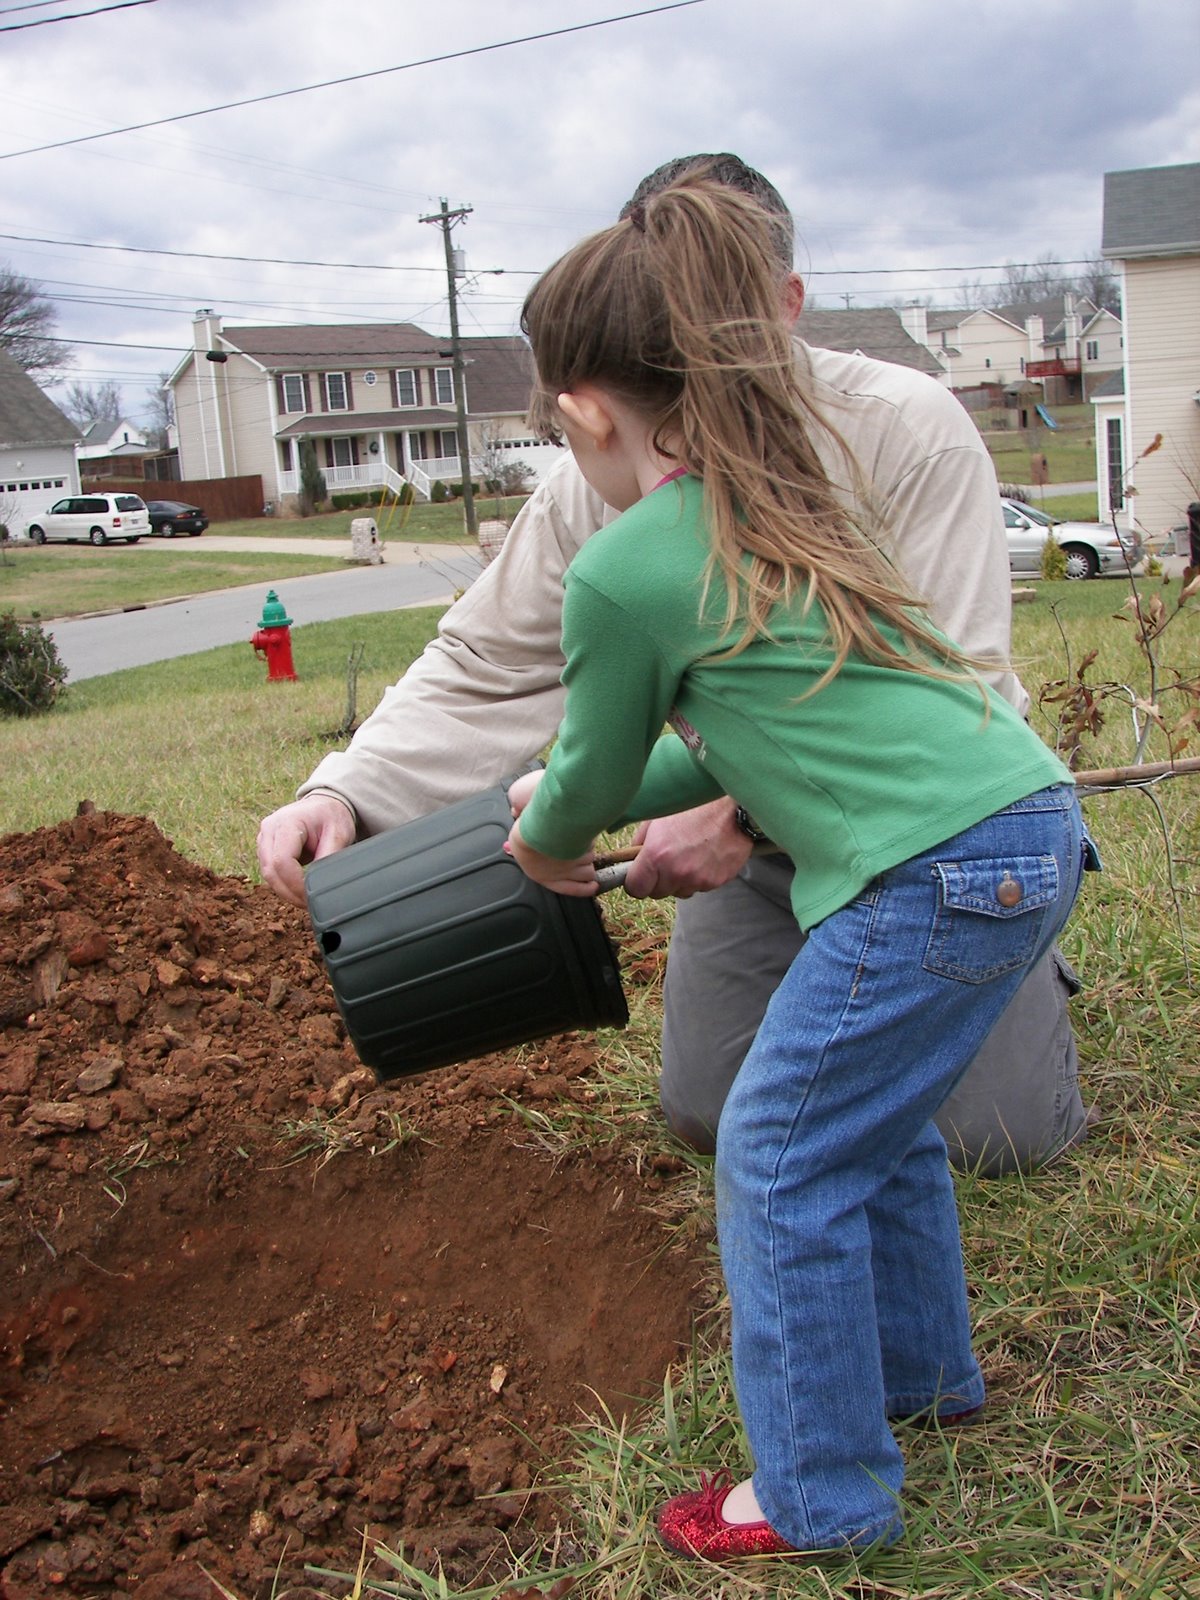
(1081, 1482)
(73, 580)
(1067, 507)
(1069, 460)
(1070, 451)
(443, 523)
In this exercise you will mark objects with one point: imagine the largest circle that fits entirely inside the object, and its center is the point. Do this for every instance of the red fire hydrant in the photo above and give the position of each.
(274, 640)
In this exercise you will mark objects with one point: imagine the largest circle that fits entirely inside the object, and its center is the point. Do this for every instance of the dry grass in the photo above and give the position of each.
(1082, 1484)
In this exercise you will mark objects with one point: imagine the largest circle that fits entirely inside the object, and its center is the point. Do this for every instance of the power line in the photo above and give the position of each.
(213, 255)
(356, 77)
(516, 272)
(70, 16)
(118, 344)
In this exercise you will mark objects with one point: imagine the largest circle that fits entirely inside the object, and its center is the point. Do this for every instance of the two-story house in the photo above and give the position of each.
(112, 447)
(1064, 344)
(1074, 345)
(975, 348)
(375, 400)
(1151, 234)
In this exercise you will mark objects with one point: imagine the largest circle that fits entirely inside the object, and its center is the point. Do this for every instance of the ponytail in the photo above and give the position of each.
(678, 310)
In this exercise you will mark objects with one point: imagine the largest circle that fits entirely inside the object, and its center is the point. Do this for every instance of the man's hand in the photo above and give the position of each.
(574, 878)
(689, 853)
(296, 834)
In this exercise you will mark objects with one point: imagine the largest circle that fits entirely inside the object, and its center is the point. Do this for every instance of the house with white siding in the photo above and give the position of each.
(375, 400)
(1064, 344)
(37, 449)
(1151, 234)
(972, 347)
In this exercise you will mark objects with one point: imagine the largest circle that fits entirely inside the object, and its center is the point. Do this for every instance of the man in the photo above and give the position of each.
(485, 697)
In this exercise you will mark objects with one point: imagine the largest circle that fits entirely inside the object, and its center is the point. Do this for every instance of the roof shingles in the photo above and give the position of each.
(1151, 211)
(27, 415)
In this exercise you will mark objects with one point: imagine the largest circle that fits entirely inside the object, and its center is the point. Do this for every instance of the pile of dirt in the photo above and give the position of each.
(255, 1302)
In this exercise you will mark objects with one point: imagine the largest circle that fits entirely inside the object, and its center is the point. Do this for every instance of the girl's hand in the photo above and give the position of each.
(521, 792)
(574, 878)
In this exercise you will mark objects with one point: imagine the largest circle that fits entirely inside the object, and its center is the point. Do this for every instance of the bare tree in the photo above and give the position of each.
(498, 471)
(160, 411)
(1031, 280)
(86, 403)
(1097, 283)
(27, 323)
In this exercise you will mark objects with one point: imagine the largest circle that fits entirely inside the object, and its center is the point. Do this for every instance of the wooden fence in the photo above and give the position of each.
(223, 499)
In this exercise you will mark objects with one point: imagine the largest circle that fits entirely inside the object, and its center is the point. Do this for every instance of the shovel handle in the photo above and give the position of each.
(612, 876)
(612, 866)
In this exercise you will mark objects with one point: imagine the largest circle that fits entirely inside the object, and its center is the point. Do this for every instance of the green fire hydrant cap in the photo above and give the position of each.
(274, 615)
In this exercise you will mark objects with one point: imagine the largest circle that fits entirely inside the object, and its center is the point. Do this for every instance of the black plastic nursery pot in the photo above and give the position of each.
(440, 949)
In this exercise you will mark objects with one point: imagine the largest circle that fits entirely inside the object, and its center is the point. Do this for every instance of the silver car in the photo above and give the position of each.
(1090, 547)
(98, 518)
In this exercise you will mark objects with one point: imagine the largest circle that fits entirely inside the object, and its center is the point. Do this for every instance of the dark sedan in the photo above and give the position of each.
(170, 517)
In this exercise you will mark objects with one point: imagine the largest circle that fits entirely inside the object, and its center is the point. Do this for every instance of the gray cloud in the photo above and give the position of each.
(906, 133)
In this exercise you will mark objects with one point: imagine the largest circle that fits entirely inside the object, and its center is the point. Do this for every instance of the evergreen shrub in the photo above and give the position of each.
(31, 673)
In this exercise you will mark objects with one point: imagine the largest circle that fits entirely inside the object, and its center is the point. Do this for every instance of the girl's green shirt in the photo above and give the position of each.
(878, 766)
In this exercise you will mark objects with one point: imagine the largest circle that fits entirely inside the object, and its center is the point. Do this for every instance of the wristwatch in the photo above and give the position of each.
(746, 824)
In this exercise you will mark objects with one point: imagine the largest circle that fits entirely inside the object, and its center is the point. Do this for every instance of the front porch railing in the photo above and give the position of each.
(368, 475)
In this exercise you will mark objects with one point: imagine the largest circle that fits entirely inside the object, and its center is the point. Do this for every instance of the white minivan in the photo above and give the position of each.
(96, 517)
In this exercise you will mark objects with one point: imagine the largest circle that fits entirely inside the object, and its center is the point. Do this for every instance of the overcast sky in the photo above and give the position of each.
(919, 142)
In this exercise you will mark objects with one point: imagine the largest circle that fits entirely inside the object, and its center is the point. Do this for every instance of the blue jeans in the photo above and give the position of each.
(835, 1205)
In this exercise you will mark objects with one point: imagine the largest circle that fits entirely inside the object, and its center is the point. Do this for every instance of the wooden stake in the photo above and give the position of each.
(1112, 777)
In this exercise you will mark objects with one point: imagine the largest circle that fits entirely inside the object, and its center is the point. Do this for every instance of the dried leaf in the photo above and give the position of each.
(498, 1378)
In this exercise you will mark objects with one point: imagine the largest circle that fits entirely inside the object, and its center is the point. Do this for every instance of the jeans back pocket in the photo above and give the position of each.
(990, 915)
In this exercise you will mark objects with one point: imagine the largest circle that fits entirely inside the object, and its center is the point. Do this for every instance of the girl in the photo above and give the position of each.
(745, 599)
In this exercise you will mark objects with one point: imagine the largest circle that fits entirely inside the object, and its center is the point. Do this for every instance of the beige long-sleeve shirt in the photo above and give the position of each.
(485, 695)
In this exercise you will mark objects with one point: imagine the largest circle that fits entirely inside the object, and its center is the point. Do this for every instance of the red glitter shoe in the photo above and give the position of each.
(692, 1525)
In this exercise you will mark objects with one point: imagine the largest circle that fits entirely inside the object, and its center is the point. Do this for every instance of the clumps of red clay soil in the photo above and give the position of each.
(253, 1302)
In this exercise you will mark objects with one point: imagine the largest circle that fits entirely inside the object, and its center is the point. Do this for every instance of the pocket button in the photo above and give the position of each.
(1009, 893)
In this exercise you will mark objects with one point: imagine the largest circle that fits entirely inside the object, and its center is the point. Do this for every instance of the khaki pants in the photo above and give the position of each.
(1017, 1107)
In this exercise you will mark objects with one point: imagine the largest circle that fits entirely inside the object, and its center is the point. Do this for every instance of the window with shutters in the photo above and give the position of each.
(337, 396)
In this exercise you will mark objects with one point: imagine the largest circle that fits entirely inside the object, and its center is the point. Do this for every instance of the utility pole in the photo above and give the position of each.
(446, 219)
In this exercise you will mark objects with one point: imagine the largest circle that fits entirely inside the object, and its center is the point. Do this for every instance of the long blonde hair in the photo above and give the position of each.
(678, 309)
